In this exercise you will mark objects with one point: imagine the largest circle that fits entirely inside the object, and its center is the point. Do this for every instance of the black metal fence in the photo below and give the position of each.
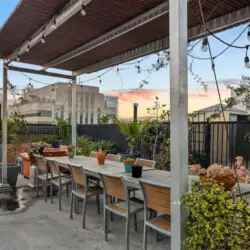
(218, 142)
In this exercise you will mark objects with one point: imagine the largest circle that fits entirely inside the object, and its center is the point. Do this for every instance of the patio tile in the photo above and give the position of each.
(42, 226)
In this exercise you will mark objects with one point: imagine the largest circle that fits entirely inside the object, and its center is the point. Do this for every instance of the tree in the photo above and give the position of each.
(104, 119)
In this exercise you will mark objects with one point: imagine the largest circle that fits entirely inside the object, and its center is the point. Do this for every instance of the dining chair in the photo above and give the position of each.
(112, 157)
(83, 190)
(58, 179)
(157, 197)
(42, 174)
(93, 154)
(145, 163)
(114, 186)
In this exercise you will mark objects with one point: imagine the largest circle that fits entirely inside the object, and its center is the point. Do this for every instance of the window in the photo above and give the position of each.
(86, 101)
(87, 118)
(70, 117)
(62, 114)
(92, 118)
(92, 100)
(81, 119)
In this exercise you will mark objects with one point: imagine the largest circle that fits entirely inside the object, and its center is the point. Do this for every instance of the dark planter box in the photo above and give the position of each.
(12, 174)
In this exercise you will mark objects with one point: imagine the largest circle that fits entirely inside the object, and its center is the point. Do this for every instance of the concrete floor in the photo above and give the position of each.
(42, 226)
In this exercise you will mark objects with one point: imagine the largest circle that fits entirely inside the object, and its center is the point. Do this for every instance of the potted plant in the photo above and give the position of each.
(133, 131)
(128, 164)
(217, 220)
(71, 151)
(101, 157)
(222, 174)
(38, 147)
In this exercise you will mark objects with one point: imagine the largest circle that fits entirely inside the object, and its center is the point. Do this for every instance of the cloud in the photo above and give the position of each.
(136, 95)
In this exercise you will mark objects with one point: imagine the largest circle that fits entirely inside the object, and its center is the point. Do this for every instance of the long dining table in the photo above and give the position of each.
(117, 168)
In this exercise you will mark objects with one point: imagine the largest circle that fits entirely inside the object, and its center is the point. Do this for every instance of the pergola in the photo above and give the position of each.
(84, 36)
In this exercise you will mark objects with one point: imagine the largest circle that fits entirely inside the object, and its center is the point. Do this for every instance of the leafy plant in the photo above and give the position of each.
(104, 119)
(84, 145)
(106, 146)
(64, 129)
(133, 132)
(218, 220)
(71, 147)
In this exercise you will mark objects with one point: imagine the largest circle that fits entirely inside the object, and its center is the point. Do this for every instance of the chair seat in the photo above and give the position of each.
(64, 180)
(92, 191)
(121, 207)
(162, 222)
(43, 176)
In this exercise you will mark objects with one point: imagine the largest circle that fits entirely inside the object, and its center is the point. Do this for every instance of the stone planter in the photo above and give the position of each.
(12, 174)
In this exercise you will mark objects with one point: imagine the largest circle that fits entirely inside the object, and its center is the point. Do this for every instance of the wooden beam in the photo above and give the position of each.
(40, 72)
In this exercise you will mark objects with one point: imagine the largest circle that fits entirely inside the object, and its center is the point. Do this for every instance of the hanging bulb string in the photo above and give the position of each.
(217, 86)
(230, 45)
(224, 50)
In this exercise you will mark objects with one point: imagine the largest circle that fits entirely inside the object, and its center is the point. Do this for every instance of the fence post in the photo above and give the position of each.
(207, 144)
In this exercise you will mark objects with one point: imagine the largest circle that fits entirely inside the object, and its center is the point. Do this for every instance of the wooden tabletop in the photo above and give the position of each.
(116, 168)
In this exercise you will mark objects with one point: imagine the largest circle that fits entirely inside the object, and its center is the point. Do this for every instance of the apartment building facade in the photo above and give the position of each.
(44, 105)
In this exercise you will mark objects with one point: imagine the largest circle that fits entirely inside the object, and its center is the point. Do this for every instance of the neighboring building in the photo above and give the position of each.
(44, 105)
(234, 114)
(111, 106)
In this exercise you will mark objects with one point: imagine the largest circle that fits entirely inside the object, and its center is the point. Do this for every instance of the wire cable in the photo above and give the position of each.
(217, 86)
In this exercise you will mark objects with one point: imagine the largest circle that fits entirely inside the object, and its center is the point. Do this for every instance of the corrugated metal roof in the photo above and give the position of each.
(217, 107)
(102, 16)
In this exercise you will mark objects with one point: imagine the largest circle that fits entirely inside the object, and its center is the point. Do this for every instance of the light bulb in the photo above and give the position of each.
(43, 40)
(83, 11)
(27, 49)
(54, 24)
(248, 33)
(247, 62)
(204, 46)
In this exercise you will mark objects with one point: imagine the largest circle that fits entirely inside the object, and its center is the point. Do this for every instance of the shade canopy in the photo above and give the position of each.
(111, 32)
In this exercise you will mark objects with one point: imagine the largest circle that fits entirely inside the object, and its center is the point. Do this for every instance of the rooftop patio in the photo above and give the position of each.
(53, 34)
(42, 226)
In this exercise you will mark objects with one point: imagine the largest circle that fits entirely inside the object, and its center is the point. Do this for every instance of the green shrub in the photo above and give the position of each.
(218, 220)
(84, 145)
(106, 146)
(64, 129)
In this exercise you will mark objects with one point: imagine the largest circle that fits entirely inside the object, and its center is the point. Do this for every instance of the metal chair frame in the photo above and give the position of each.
(107, 208)
(147, 223)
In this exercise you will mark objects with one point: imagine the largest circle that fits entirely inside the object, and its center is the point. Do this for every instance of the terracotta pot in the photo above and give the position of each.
(101, 157)
(228, 183)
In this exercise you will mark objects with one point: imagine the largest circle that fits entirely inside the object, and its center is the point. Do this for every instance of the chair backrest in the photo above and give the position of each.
(53, 167)
(77, 174)
(113, 186)
(156, 197)
(145, 163)
(112, 157)
(93, 154)
(41, 164)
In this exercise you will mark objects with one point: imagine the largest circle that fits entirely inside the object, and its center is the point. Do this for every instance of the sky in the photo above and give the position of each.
(229, 68)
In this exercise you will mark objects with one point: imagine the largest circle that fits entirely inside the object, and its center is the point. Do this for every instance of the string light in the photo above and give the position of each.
(54, 26)
(43, 39)
(247, 65)
(27, 49)
(83, 10)
(18, 58)
(117, 69)
(204, 46)
(100, 80)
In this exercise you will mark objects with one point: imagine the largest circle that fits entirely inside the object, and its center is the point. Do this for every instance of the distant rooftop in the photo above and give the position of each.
(217, 107)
